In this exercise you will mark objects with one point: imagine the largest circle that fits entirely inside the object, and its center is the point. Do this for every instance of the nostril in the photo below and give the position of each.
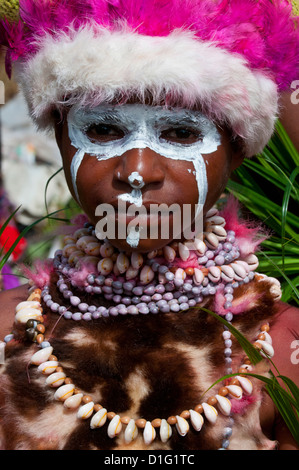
(136, 180)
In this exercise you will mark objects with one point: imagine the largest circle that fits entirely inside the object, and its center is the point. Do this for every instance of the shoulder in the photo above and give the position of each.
(8, 301)
(285, 336)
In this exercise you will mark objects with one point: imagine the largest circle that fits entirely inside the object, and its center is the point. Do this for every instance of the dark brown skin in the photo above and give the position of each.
(166, 181)
(170, 182)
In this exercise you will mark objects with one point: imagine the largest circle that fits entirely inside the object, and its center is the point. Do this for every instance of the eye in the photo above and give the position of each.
(182, 135)
(104, 132)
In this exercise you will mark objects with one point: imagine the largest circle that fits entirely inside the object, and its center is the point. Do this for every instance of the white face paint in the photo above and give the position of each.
(136, 182)
(142, 127)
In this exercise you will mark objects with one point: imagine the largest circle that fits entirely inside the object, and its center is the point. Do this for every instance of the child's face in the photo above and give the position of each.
(146, 156)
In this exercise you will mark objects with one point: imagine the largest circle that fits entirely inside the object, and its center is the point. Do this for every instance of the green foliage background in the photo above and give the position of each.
(268, 187)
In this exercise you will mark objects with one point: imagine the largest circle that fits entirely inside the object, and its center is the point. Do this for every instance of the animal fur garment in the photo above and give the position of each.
(143, 366)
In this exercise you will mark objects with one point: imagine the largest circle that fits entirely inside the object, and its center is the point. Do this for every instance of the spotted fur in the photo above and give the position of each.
(149, 366)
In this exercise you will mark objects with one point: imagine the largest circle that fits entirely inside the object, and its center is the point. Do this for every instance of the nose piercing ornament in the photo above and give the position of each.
(136, 180)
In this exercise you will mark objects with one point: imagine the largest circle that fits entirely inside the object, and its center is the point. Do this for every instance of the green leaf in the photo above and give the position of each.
(46, 187)
(5, 258)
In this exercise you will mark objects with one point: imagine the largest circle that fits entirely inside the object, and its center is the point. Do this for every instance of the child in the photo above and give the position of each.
(152, 103)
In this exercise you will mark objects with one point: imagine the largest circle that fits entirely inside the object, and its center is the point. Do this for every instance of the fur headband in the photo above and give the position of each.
(231, 57)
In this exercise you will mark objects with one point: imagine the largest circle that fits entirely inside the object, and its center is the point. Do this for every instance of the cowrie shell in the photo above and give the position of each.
(182, 425)
(83, 242)
(114, 427)
(74, 401)
(180, 274)
(210, 412)
(64, 392)
(81, 232)
(26, 314)
(131, 431)
(146, 275)
(41, 356)
(99, 419)
(212, 239)
(105, 266)
(219, 231)
(183, 252)
(85, 411)
(56, 379)
(106, 250)
(240, 272)
(244, 264)
(267, 337)
(69, 240)
(93, 248)
(149, 433)
(27, 304)
(246, 384)
(235, 391)
(136, 260)
(169, 253)
(252, 261)
(224, 405)
(48, 367)
(199, 246)
(165, 431)
(152, 254)
(131, 273)
(198, 276)
(75, 257)
(196, 420)
(214, 274)
(216, 220)
(122, 263)
(69, 249)
(266, 347)
(227, 273)
(212, 212)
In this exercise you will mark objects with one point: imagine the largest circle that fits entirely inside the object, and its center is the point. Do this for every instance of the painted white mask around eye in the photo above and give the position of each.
(142, 126)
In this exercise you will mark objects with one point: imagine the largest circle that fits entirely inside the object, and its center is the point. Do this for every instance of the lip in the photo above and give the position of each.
(144, 216)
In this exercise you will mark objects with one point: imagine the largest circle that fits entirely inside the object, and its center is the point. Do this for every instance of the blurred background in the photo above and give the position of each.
(32, 185)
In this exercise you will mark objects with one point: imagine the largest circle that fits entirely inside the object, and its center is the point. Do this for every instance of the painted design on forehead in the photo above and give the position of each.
(141, 126)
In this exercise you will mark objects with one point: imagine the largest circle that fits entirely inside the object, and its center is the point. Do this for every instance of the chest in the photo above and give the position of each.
(145, 370)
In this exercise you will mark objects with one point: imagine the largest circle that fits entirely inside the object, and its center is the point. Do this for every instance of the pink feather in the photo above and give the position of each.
(40, 273)
(265, 33)
(249, 234)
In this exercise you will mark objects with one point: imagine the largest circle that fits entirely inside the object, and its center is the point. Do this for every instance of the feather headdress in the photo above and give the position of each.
(231, 57)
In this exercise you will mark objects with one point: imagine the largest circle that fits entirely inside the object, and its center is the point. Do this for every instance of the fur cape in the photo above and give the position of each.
(146, 366)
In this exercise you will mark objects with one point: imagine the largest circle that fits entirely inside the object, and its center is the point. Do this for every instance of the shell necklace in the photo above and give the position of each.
(74, 399)
(171, 280)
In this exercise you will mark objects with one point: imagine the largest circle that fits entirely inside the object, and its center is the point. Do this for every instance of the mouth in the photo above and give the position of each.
(152, 219)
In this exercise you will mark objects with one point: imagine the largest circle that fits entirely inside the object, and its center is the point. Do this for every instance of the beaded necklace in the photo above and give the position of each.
(168, 281)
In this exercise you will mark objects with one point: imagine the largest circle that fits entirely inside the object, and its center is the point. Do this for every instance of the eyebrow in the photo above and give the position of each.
(176, 120)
